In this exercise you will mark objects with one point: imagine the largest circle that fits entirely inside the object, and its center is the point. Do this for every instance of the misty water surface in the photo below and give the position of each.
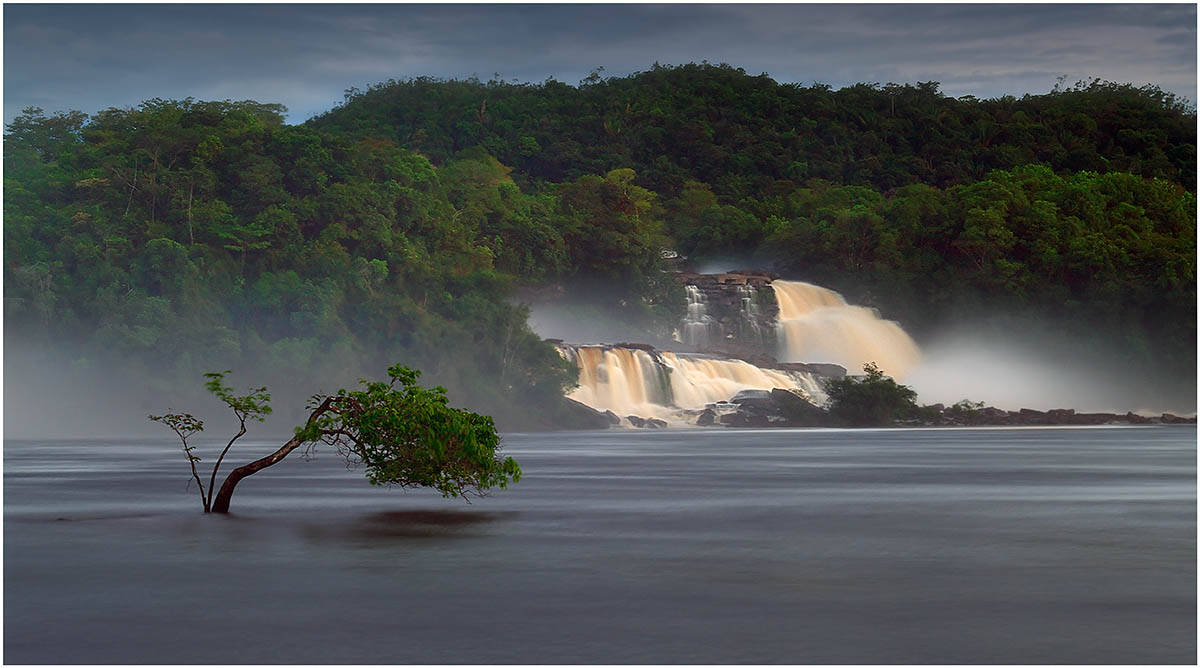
(796, 546)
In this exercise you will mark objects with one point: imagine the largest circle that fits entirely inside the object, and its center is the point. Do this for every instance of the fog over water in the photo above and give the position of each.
(1033, 368)
(1004, 361)
(1067, 545)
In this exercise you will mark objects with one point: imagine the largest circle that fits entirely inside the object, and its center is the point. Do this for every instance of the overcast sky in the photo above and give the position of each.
(93, 56)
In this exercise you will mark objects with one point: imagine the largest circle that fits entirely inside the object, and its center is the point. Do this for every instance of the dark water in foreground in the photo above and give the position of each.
(897, 546)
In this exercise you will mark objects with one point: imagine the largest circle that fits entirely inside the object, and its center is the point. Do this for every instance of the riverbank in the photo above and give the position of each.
(783, 408)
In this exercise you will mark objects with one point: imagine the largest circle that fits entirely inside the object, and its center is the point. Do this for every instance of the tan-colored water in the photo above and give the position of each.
(817, 325)
(636, 382)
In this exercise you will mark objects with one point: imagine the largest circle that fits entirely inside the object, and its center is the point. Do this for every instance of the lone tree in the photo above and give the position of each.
(403, 434)
(874, 400)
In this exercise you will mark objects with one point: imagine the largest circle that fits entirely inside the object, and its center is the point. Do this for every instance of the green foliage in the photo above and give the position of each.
(254, 405)
(184, 235)
(742, 134)
(965, 411)
(874, 400)
(409, 436)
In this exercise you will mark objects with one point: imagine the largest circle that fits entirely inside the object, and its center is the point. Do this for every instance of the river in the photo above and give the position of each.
(1064, 545)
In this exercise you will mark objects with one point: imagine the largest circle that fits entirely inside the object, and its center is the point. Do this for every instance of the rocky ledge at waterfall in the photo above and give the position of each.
(640, 386)
(731, 313)
(784, 408)
(990, 416)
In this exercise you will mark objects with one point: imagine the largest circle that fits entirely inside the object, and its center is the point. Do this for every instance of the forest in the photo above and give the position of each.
(177, 237)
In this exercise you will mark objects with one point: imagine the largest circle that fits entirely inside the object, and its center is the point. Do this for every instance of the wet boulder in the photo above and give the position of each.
(655, 423)
(706, 418)
(757, 400)
(746, 419)
(993, 415)
(798, 411)
(636, 421)
(1030, 416)
(733, 419)
(827, 370)
(581, 416)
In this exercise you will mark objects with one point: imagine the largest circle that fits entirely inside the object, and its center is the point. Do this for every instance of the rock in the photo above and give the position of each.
(746, 419)
(1134, 418)
(722, 407)
(582, 416)
(1093, 418)
(993, 415)
(636, 421)
(733, 324)
(613, 418)
(750, 394)
(634, 346)
(733, 419)
(1168, 418)
(757, 399)
(1029, 416)
(757, 420)
(706, 418)
(797, 410)
(827, 370)
(655, 423)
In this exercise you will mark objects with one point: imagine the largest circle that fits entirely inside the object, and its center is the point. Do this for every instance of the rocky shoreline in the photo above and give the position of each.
(783, 408)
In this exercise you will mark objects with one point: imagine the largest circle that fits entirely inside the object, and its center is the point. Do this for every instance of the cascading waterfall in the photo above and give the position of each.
(665, 385)
(817, 325)
(697, 323)
(624, 380)
(697, 381)
(747, 296)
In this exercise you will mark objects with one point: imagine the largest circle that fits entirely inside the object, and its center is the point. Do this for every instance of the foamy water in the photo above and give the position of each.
(817, 325)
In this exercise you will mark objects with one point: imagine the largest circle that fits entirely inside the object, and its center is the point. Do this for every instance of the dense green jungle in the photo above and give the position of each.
(145, 246)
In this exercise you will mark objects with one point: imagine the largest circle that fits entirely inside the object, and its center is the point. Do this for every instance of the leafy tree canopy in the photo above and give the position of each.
(183, 235)
(873, 400)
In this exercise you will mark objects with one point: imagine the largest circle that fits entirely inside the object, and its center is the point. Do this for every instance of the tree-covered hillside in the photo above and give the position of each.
(1077, 205)
(180, 237)
(741, 134)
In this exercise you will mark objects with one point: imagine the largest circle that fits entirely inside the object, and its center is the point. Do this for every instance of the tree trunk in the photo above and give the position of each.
(221, 503)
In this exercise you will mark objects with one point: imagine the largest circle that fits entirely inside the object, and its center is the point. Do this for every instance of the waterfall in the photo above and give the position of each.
(817, 325)
(697, 324)
(666, 385)
(747, 297)
(697, 380)
(625, 381)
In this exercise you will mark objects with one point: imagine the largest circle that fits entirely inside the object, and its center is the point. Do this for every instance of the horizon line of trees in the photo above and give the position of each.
(184, 235)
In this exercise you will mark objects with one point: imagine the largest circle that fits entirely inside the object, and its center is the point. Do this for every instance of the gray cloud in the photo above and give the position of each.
(91, 57)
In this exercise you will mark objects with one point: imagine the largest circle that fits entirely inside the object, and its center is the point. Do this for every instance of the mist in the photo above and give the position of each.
(63, 393)
(582, 323)
(1031, 366)
(726, 264)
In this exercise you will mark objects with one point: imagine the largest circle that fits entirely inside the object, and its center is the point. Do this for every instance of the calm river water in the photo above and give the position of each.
(719, 546)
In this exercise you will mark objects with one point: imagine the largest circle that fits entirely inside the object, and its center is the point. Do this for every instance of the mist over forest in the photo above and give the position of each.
(145, 246)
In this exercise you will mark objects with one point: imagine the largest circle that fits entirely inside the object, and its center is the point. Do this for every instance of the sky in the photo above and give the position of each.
(94, 56)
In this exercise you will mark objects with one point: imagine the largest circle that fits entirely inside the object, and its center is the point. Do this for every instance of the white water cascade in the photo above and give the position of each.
(817, 325)
(666, 385)
(697, 323)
